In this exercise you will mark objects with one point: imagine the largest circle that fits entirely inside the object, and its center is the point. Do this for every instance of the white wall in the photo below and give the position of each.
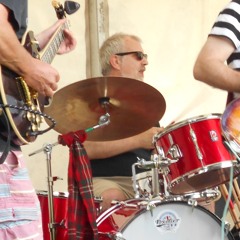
(172, 31)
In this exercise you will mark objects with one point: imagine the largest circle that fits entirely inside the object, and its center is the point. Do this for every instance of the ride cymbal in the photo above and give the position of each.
(133, 106)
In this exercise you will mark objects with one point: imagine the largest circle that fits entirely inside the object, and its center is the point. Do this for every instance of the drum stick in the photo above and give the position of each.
(237, 193)
(224, 192)
(236, 198)
(237, 188)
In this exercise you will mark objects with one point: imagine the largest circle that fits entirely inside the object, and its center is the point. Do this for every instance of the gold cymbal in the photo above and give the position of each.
(133, 106)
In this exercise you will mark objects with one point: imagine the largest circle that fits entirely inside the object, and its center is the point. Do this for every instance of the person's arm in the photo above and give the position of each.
(210, 66)
(37, 74)
(66, 46)
(105, 149)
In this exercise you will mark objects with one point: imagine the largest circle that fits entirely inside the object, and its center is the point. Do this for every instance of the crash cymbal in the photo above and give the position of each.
(133, 106)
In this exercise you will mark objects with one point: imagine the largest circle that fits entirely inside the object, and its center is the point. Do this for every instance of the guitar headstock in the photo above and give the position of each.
(59, 9)
(70, 7)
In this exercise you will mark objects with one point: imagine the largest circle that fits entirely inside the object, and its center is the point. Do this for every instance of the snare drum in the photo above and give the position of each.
(60, 203)
(203, 161)
(136, 219)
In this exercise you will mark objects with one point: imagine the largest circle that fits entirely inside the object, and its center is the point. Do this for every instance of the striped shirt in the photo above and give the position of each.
(20, 214)
(227, 24)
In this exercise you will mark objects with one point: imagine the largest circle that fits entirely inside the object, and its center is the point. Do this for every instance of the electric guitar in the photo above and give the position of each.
(22, 105)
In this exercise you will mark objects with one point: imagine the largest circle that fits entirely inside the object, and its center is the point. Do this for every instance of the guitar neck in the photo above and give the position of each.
(50, 50)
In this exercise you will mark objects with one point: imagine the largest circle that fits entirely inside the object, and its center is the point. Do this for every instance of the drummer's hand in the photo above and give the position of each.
(145, 139)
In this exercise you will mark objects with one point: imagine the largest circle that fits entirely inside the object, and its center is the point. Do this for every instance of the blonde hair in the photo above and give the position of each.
(113, 45)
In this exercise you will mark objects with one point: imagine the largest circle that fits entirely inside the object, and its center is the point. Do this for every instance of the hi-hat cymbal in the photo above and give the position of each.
(133, 106)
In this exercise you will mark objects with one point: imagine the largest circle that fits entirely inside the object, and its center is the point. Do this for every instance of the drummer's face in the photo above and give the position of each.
(131, 66)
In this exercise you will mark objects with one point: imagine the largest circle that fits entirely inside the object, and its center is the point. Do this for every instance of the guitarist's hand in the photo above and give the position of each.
(66, 46)
(42, 77)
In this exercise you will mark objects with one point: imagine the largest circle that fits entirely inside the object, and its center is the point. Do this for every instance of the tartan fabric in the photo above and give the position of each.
(81, 208)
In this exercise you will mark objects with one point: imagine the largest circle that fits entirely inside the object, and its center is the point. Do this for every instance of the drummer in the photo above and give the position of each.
(121, 55)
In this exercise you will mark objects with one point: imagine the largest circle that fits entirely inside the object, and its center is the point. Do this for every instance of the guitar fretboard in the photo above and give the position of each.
(51, 49)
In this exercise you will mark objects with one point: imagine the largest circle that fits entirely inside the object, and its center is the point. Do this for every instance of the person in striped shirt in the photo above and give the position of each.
(218, 63)
(222, 46)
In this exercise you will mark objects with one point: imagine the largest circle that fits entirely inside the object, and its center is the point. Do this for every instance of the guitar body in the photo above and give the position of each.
(23, 122)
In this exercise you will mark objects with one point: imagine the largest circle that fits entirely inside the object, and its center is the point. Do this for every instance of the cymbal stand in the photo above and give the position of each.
(47, 149)
(52, 224)
(103, 120)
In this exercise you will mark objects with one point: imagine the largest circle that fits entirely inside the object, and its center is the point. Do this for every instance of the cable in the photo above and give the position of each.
(36, 112)
(7, 147)
(227, 204)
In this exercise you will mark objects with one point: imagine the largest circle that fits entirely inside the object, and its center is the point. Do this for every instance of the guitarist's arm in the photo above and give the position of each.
(37, 74)
(66, 46)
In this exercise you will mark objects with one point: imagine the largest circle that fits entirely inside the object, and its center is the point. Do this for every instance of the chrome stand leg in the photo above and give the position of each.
(52, 225)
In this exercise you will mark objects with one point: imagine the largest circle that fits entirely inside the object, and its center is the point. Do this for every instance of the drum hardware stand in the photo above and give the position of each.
(47, 149)
(52, 225)
(174, 151)
(142, 163)
(156, 164)
(135, 186)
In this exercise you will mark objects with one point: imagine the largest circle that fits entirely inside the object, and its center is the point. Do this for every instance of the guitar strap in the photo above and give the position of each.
(7, 141)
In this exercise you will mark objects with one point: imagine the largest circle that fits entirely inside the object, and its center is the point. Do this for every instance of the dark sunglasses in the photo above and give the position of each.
(139, 55)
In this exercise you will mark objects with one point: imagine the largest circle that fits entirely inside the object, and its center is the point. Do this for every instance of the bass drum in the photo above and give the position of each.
(141, 220)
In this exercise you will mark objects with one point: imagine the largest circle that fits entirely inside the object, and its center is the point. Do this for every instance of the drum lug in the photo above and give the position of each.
(192, 202)
(227, 227)
(194, 138)
(119, 236)
(175, 153)
(113, 236)
(150, 207)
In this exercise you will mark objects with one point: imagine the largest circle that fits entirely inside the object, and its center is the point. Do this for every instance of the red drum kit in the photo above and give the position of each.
(191, 161)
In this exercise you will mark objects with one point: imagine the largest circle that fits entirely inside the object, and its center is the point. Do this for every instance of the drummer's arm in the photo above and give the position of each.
(105, 149)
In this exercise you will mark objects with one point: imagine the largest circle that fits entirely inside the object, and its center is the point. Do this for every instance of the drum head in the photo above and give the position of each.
(163, 220)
